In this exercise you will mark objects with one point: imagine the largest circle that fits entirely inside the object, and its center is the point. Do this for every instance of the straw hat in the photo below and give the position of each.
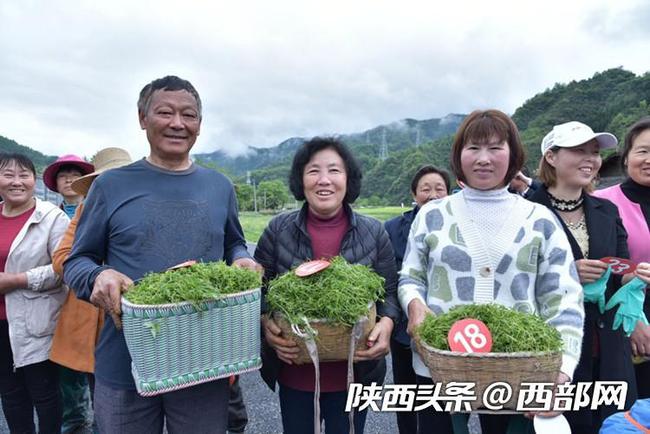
(49, 175)
(106, 159)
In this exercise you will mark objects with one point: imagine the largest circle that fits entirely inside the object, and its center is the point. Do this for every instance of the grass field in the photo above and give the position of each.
(254, 223)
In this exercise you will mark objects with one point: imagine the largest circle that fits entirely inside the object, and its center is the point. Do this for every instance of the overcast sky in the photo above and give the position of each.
(70, 71)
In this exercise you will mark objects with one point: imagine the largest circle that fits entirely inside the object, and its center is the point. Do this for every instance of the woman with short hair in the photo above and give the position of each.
(327, 177)
(30, 300)
(485, 245)
(59, 177)
(632, 197)
(428, 183)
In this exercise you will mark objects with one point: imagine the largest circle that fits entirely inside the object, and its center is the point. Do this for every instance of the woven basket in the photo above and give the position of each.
(174, 346)
(484, 369)
(332, 341)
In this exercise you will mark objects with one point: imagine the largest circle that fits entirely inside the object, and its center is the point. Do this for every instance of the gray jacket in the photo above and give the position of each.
(32, 312)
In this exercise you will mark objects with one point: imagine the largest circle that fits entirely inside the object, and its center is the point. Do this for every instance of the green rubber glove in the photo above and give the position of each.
(595, 291)
(630, 299)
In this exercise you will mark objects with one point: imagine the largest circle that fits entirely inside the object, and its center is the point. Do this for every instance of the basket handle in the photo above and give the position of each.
(312, 349)
(355, 335)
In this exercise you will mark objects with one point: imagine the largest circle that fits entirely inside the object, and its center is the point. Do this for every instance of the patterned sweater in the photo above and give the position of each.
(494, 247)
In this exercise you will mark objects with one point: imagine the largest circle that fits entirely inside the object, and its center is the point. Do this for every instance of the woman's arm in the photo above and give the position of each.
(413, 281)
(43, 277)
(378, 341)
(386, 268)
(559, 296)
(285, 349)
(65, 246)
(11, 281)
(265, 255)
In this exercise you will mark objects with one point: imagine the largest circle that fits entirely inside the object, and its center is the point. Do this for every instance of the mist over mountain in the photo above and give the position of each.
(390, 154)
(382, 139)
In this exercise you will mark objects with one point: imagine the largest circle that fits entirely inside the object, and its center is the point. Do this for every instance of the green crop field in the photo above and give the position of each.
(254, 223)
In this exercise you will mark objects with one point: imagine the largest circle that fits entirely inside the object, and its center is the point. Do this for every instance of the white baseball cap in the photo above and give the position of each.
(571, 134)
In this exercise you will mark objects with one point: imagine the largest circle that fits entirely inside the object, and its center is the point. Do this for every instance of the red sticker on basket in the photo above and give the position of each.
(182, 265)
(620, 265)
(312, 267)
(469, 336)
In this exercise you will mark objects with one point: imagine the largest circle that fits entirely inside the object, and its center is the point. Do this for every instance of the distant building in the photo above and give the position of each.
(44, 193)
(611, 172)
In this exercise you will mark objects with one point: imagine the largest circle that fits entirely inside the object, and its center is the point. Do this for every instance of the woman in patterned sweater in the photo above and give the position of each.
(485, 245)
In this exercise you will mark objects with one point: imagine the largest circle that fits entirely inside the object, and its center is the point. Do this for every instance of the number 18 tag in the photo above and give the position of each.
(469, 336)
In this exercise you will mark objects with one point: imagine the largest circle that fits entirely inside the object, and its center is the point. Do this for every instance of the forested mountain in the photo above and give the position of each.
(377, 142)
(40, 160)
(609, 101)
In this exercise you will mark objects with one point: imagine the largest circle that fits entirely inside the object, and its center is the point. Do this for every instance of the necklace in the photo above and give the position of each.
(578, 224)
(566, 205)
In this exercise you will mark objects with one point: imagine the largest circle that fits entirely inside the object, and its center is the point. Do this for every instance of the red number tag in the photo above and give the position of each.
(469, 336)
(182, 265)
(620, 265)
(312, 267)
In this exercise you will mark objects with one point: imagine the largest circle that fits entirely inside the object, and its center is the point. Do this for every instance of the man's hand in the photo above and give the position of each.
(378, 341)
(417, 312)
(590, 270)
(107, 291)
(287, 350)
(249, 264)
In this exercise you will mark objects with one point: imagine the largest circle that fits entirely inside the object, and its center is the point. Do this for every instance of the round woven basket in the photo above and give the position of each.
(332, 341)
(483, 369)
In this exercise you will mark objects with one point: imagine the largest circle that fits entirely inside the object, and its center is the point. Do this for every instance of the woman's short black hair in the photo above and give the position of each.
(69, 168)
(6, 158)
(639, 126)
(425, 170)
(307, 151)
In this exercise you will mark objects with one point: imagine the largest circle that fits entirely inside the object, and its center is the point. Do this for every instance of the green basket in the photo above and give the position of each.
(174, 346)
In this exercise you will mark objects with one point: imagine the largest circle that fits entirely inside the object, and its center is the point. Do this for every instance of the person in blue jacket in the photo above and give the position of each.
(634, 421)
(428, 183)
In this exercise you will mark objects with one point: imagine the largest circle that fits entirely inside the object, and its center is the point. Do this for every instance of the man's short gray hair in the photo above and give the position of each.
(169, 83)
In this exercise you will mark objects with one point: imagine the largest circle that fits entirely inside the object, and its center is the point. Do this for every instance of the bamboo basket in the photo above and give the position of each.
(332, 341)
(174, 346)
(483, 369)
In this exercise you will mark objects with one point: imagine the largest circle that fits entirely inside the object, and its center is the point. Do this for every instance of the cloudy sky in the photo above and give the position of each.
(70, 71)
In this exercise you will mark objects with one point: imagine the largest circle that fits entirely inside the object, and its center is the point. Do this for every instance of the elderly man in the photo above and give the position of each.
(148, 216)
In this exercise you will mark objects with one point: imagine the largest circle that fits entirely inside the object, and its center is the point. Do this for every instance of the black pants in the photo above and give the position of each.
(403, 373)
(439, 422)
(237, 415)
(499, 424)
(431, 421)
(26, 388)
(642, 371)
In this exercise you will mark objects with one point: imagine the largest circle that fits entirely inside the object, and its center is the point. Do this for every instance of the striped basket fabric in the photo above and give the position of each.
(174, 346)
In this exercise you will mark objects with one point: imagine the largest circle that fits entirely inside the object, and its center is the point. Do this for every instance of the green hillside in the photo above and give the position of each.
(40, 160)
(609, 101)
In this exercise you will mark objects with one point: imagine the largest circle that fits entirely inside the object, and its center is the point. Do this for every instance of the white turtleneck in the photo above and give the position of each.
(488, 209)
